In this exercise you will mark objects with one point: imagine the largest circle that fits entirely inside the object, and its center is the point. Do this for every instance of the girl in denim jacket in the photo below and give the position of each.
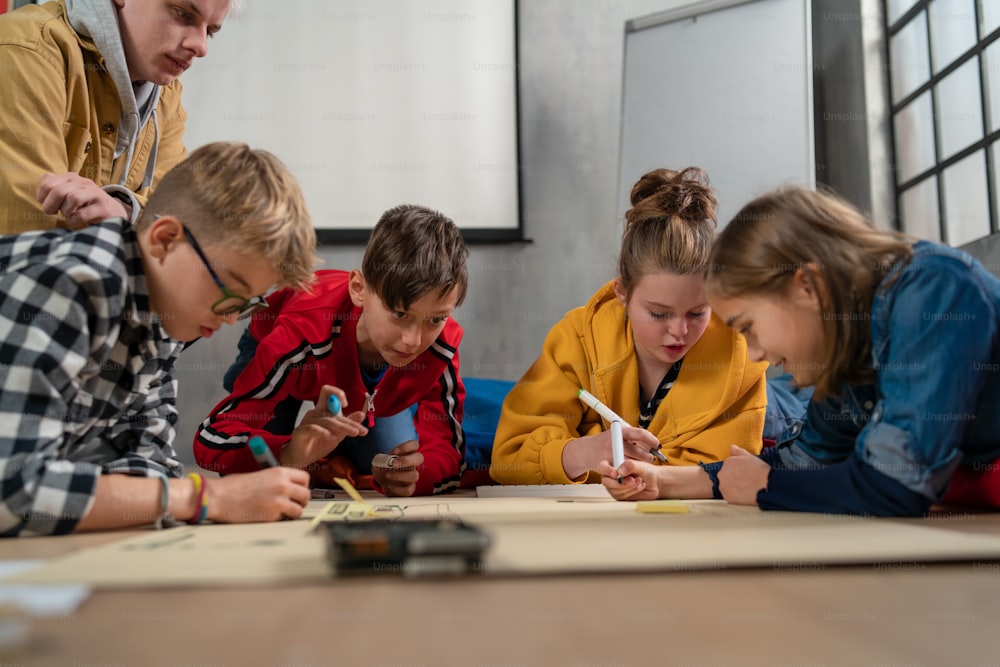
(899, 338)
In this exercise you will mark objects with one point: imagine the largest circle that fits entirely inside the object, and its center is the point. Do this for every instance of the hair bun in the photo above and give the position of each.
(664, 193)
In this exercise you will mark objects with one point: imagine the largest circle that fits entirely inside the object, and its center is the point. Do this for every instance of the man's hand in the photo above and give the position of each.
(81, 201)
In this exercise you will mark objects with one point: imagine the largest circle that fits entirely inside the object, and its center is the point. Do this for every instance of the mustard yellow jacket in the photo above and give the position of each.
(719, 397)
(59, 112)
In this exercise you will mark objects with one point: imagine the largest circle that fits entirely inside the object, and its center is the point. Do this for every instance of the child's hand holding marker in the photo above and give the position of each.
(262, 453)
(617, 447)
(274, 492)
(632, 480)
(322, 429)
(627, 442)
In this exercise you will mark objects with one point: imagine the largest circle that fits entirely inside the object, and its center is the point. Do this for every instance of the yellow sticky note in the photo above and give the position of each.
(662, 507)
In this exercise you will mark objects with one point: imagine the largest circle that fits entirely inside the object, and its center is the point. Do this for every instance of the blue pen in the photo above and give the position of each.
(333, 405)
(263, 454)
(265, 457)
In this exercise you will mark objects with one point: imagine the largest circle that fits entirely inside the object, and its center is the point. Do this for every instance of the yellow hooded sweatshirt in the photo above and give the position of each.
(719, 398)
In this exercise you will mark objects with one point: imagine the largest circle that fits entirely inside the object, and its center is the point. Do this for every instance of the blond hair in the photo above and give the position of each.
(842, 255)
(229, 194)
(670, 227)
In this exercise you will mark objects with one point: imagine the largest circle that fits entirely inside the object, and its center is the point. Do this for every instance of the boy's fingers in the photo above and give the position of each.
(399, 490)
(291, 510)
(297, 477)
(397, 461)
(404, 448)
(348, 426)
(330, 390)
(402, 477)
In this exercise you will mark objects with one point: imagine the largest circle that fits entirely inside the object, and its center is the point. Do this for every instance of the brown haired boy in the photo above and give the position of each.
(382, 340)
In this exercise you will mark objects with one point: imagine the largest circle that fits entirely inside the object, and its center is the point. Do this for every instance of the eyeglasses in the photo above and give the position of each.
(231, 302)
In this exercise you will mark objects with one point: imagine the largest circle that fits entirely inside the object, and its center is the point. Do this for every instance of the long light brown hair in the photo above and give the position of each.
(843, 256)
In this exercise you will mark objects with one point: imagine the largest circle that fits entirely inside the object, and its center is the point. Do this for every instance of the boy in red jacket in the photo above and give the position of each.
(382, 340)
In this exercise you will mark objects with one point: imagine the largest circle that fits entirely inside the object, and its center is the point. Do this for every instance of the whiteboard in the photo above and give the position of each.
(372, 103)
(725, 86)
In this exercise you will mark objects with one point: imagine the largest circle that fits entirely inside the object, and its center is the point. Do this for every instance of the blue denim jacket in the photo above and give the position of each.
(890, 448)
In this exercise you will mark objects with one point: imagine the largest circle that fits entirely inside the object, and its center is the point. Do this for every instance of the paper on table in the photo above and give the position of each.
(207, 555)
(532, 536)
(544, 491)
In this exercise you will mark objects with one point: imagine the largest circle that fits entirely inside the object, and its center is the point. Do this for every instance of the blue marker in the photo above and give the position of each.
(263, 454)
(333, 405)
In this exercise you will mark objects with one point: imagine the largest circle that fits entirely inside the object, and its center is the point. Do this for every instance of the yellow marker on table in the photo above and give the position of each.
(353, 493)
(662, 507)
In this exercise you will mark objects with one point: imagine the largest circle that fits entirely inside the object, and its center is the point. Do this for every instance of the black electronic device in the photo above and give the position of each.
(408, 547)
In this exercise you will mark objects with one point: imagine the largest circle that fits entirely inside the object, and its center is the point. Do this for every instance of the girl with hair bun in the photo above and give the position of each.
(648, 347)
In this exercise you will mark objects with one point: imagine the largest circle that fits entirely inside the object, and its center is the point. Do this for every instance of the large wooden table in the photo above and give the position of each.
(904, 614)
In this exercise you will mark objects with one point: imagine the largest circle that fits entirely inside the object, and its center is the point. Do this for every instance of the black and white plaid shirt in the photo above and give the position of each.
(86, 374)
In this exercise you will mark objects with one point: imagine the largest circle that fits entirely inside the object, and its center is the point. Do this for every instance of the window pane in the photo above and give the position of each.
(996, 172)
(914, 129)
(897, 8)
(989, 10)
(953, 30)
(960, 115)
(919, 211)
(909, 60)
(991, 75)
(966, 211)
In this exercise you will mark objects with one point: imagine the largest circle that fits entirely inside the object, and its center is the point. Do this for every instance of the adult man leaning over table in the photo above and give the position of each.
(90, 108)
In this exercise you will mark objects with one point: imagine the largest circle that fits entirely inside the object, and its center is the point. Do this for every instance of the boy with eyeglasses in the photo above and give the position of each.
(91, 324)
(382, 340)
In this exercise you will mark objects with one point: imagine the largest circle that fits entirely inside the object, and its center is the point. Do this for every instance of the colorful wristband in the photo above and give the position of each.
(202, 499)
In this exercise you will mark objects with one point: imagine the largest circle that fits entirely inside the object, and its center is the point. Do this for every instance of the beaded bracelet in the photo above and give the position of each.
(202, 502)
